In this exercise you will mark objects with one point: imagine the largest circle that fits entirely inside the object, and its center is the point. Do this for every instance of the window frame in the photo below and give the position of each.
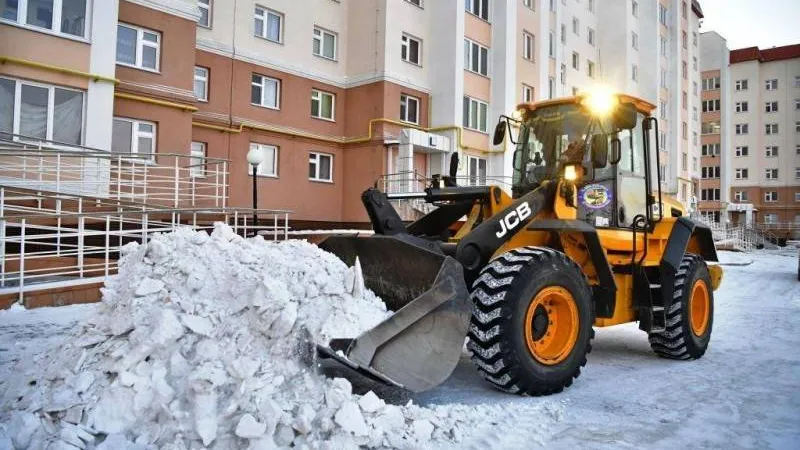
(317, 156)
(742, 107)
(405, 43)
(771, 129)
(741, 129)
(526, 35)
(740, 196)
(140, 44)
(319, 34)
(770, 196)
(261, 168)
(741, 85)
(525, 90)
(768, 174)
(51, 92)
(136, 133)
(204, 79)
(55, 29)
(741, 151)
(634, 41)
(208, 5)
(741, 173)
(404, 100)
(475, 179)
(482, 8)
(265, 23)
(771, 84)
(771, 151)
(277, 91)
(472, 45)
(321, 94)
(203, 167)
(771, 107)
(472, 101)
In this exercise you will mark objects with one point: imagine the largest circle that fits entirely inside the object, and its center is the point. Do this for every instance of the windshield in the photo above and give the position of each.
(551, 137)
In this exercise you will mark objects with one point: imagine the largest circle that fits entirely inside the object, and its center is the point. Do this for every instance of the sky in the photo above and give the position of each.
(748, 23)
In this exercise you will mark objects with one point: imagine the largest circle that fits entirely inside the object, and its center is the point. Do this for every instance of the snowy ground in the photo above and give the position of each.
(745, 392)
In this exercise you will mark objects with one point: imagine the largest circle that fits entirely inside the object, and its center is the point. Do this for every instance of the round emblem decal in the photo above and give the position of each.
(595, 196)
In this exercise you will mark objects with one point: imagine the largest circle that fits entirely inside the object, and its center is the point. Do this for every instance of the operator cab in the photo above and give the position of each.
(604, 137)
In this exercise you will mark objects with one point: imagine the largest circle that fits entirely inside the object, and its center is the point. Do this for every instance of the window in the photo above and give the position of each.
(663, 78)
(709, 150)
(322, 105)
(133, 136)
(684, 40)
(683, 192)
(65, 16)
(663, 45)
(694, 139)
(265, 91)
(742, 150)
(711, 127)
(694, 113)
(138, 47)
(771, 174)
(772, 84)
(797, 174)
(476, 57)
(320, 167)
(741, 107)
(475, 114)
(590, 36)
(797, 104)
(527, 93)
(269, 159)
(409, 109)
(740, 196)
(662, 14)
(325, 43)
(530, 4)
(551, 87)
(694, 88)
(590, 5)
(268, 24)
(771, 196)
(576, 61)
(742, 128)
(771, 128)
(197, 162)
(662, 170)
(771, 107)
(797, 81)
(563, 74)
(797, 149)
(552, 45)
(589, 69)
(710, 84)
(797, 199)
(711, 195)
(694, 38)
(205, 13)
(528, 41)
(410, 50)
(684, 70)
(201, 83)
(710, 105)
(663, 109)
(635, 8)
(634, 40)
(563, 34)
(797, 127)
(770, 218)
(552, 5)
(576, 26)
(741, 85)
(741, 174)
(684, 161)
(634, 72)
(771, 151)
(478, 8)
(476, 171)
(663, 140)
(683, 9)
(710, 172)
(684, 100)
(41, 111)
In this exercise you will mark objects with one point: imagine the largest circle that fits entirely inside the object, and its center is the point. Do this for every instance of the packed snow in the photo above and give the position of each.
(203, 341)
(744, 393)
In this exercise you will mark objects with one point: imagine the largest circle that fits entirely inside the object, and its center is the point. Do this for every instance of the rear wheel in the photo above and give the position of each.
(532, 321)
(691, 315)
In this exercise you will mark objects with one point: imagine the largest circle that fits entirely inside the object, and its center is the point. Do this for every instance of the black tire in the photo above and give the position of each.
(679, 340)
(501, 296)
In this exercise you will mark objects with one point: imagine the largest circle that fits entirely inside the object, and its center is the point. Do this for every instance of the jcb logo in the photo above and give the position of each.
(513, 219)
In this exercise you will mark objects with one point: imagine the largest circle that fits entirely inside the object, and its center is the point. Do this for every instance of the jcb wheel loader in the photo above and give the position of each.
(586, 239)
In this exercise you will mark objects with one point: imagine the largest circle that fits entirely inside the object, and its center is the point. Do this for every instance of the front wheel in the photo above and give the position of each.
(691, 315)
(531, 325)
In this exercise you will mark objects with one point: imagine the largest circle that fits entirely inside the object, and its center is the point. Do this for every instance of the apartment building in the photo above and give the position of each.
(341, 95)
(751, 135)
(647, 48)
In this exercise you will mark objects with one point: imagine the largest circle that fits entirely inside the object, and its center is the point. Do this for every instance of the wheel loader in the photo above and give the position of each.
(586, 239)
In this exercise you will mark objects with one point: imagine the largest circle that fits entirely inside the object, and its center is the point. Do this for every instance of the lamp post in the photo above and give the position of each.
(254, 158)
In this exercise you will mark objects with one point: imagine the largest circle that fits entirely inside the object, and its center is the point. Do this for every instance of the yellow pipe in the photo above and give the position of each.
(218, 128)
(153, 101)
(52, 68)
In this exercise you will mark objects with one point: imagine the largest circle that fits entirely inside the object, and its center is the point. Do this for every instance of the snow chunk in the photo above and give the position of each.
(370, 402)
(250, 428)
(149, 286)
(350, 419)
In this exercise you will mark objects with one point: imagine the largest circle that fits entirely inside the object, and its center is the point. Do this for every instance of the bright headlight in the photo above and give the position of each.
(600, 101)
(570, 173)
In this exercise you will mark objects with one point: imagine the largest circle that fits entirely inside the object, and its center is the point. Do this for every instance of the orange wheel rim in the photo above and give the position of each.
(699, 308)
(551, 325)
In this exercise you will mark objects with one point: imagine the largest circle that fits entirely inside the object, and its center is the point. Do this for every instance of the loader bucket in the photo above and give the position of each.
(417, 347)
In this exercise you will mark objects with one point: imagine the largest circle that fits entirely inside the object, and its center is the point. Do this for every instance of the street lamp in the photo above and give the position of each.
(254, 158)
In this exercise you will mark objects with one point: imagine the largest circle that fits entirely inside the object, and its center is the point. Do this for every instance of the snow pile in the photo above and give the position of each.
(202, 341)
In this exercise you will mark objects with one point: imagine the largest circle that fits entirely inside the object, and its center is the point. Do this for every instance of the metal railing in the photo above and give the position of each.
(165, 179)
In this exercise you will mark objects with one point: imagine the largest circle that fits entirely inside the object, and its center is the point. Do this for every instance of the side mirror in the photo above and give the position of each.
(499, 132)
(599, 150)
(625, 116)
(453, 165)
(616, 151)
